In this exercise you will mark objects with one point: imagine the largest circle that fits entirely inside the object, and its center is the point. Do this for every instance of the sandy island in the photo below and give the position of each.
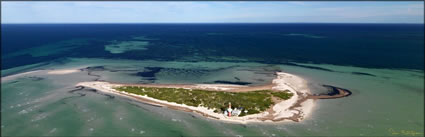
(296, 108)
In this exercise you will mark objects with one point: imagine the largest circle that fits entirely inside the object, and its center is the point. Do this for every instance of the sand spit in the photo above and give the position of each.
(51, 72)
(63, 71)
(296, 108)
(7, 78)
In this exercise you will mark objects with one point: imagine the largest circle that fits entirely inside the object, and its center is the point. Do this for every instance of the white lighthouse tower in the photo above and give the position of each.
(229, 110)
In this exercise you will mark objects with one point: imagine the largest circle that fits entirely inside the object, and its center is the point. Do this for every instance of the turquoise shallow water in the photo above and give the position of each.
(391, 101)
(382, 104)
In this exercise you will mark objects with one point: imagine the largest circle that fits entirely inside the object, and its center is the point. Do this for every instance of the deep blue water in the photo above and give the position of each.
(395, 46)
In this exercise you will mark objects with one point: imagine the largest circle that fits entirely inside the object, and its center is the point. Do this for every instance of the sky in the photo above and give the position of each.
(212, 12)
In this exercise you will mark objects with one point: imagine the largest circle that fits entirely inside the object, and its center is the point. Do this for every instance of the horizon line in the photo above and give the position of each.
(222, 23)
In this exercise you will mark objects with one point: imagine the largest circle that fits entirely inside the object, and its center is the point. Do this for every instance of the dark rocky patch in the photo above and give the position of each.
(334, 90)
(193, 116)
(361, 73)
(66, 98)
(150, 72)
(310, 67)
(187, 71)
(265, 73)
(109, 96)
(34, 78)
(82, 94)
(78, 88)
(96, 68)
(91, 90)
(153, 79)
(230, 82)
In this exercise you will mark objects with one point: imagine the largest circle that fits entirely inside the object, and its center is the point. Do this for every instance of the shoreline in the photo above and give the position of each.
(294, 109)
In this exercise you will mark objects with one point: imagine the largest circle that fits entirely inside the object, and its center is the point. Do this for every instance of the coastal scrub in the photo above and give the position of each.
(253, 101)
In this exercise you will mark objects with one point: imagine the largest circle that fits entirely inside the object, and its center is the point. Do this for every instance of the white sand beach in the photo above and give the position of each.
(62, 71)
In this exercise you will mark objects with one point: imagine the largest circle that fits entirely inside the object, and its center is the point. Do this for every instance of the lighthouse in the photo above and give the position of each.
(229, 110)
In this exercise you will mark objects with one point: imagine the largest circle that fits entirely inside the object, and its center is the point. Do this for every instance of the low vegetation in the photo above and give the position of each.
(282, 95)
(254, 102)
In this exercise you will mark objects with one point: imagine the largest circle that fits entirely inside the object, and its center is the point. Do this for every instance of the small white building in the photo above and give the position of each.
(236, 112)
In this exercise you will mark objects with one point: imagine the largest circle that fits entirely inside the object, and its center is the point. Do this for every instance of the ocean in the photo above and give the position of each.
(381, 64)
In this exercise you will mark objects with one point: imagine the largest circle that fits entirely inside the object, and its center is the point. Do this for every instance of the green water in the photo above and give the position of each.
(380, 105)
